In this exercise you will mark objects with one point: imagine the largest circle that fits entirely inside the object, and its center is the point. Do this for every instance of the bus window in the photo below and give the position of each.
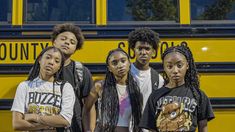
(213, 9)
(5, 10)
(143, 11)
(58, 10)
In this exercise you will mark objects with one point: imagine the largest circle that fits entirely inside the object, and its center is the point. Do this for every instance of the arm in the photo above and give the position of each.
(202, 126)
(18, 118)
(53, 120)
(91, 117)
(20, 124)
(89, 109)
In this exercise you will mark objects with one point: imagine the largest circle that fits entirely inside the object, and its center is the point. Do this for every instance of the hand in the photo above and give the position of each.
(30, 117)
(98, 85)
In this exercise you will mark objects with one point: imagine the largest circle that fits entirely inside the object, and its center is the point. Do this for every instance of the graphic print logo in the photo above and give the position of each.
(173, 118)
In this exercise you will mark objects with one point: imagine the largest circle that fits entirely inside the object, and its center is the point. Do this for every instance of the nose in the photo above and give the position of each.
(67, 41)
(120, 65)
(51, 61)
(143, 51)
(175, 69)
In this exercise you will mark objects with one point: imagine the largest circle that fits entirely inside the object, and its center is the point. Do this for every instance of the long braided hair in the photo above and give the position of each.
(110, 101)
(191, 76)
(34, 73)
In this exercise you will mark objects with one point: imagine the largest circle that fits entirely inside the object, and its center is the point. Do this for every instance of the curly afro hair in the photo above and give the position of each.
(144, 35)
(68, 27)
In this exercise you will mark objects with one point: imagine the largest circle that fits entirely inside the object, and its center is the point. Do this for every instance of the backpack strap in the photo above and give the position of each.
(78, 77)
(154, 79)
(79, 70)
(61, 90)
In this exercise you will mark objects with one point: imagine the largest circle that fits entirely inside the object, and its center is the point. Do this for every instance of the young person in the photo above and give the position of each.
(180, 105)
(69, 38)
(144, 43)
(44, 102)
(119, 98)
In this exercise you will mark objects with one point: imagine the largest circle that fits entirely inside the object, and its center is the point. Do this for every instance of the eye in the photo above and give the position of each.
(139, 48)
(73, 42)
(57, 61)
(48, 57)
(123, 60)
(114, 62)
(63, 38)
(169, 66)
(180, 65)
(148, 48)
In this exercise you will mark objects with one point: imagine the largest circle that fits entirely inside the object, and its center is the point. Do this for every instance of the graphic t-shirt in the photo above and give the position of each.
(124, 106)
(39, 97)
(177, 110)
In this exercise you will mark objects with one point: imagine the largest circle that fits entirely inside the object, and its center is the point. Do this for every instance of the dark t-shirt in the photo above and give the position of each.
(176, 110)
(82, 91)
(87, 82)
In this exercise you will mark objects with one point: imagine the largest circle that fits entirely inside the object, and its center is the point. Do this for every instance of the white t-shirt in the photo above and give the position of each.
(143, 79)
(37, 96)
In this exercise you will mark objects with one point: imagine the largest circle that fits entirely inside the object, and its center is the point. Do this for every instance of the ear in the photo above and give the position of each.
(187, 65)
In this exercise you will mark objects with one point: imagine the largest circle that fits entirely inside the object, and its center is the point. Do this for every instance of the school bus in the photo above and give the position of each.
(206, 26)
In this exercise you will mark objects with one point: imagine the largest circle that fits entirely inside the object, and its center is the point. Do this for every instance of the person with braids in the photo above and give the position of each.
(119, 98)
(44, 102)
(69, 38)
(180, 105)
(144, 43)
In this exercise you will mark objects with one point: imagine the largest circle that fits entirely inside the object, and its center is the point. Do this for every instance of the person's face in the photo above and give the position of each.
(50, 62)
(66, 42)
(143, 52)
(175, 66)
(118, 64)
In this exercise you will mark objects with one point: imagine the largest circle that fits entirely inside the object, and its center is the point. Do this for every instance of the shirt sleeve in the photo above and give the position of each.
(20, 98)
(87, 82)
(148, 120)
(206, 111)
(68, 99)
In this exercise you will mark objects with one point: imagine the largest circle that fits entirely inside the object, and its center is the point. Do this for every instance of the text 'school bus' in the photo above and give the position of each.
(206, 26)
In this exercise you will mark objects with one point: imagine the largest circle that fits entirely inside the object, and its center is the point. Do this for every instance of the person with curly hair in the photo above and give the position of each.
(69, 38)
(119, 97)
(144, 42)
(180, 105)
(44, 101)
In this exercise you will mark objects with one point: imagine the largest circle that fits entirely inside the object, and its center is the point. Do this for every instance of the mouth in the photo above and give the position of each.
(122, 71)
(49, 68)
(144, 58)
(175, 77)
(64, 47)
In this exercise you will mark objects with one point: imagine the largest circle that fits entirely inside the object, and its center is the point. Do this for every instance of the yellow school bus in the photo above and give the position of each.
(206, 26)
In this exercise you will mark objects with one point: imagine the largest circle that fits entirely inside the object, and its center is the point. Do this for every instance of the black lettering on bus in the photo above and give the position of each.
(46, 45)
(123, 45)
(12, 52)
(24, 50)
(184, 43)
(34, 50)
(3, 51)
(164, 45)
